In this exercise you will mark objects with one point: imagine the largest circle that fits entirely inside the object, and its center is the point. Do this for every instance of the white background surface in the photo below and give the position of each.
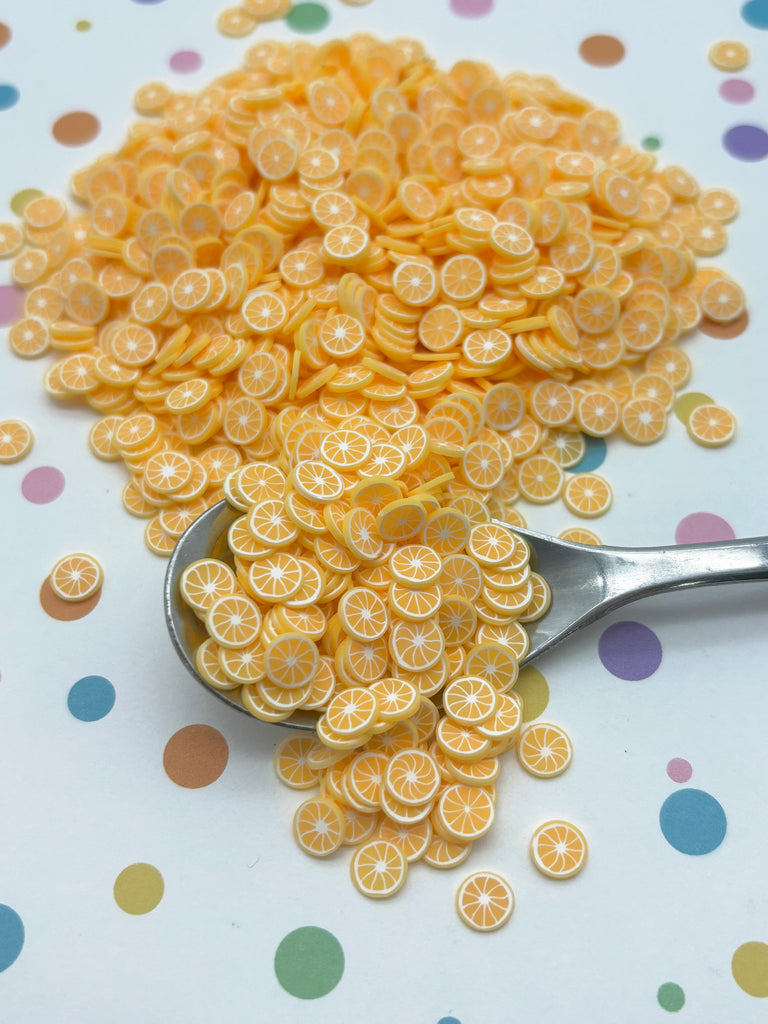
(80, 801)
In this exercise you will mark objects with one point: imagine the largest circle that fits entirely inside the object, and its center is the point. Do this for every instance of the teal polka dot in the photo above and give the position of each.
(91, 698)
(755, 13)
(11, 936)
(9, 96)
(692, 821)
(652, 143)
(308, 17)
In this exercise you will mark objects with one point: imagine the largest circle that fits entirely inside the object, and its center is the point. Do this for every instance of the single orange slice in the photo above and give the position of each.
(316, 481)
(558, 849)
(416, 646)
(291, 660)
(465, 812)
(491, 543)
(412, 777)
(16, 440)
(544, 750)
(205, 580)
(363, 614)
(415, 565)
(76, 577)
(401, 520)
(351, 712)
(728, 55)
(397, 698)
(496, 662)
(445, 855)
(291, 762)
(470, 700)
(233, 620)
(711, 425)
(587, 495)
(378, 868)
(446, 532)
(318, 826)
(485, 901)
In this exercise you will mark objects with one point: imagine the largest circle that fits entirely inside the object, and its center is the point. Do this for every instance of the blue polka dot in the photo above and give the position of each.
(91, 698)
(449, 1020)
(11, 936)
(9, 96)
(692, 821)
(755, 13)
(593, 456)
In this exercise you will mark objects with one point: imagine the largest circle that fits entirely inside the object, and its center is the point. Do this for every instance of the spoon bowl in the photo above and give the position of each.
(586, 583)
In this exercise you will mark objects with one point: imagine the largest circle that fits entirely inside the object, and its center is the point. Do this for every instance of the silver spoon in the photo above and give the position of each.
(586, 583)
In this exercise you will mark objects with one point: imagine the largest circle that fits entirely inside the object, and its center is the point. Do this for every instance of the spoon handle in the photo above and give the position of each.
(646, 571)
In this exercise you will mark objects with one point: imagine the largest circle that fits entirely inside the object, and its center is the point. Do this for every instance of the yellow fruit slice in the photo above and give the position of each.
(378, 868)
(412, 777)
(16, 440)
(318, 826)
(544, 750)
(558, 849)
(291, 660)
(470, 700)
(465, 812)
(205, 580)
(351, 712)
(291, 765)
(76, 577)
(485, 901)
(233, 620)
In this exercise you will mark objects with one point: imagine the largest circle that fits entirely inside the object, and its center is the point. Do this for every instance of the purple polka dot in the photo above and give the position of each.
(679, 770)
(736, 90)
(746, 142)
(43, 484)
(471, 8)
(11, 304)
(186, 61)
(148, 2)
(629, 650)
(700, 527)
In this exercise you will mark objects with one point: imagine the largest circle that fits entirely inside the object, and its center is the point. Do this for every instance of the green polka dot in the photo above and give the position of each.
(138, 888)
(532, 688)
(651, 142)
(309, 962)
(686, 403)
(308, 17)
(83, 26)
(20, 200)
(671, 997)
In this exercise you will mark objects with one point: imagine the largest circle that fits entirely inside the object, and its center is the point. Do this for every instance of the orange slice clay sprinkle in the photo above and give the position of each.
(376, 306)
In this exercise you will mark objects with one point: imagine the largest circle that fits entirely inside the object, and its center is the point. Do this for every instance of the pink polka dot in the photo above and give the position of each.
(185, 61)
(679, 770)
(11, 304)
(700, 527)
(43, 484)
(736, 90)
(471, 8)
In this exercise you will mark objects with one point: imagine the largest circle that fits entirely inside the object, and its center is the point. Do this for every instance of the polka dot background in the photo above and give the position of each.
(139, 806)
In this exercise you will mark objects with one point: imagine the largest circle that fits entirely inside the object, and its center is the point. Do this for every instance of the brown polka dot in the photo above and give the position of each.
(65, 611)
(195, 756)
(731, 330)
(602, 51)
(76, 128)
(5, 35)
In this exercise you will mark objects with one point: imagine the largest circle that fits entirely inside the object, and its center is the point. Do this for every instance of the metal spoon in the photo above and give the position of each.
(586, 583)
